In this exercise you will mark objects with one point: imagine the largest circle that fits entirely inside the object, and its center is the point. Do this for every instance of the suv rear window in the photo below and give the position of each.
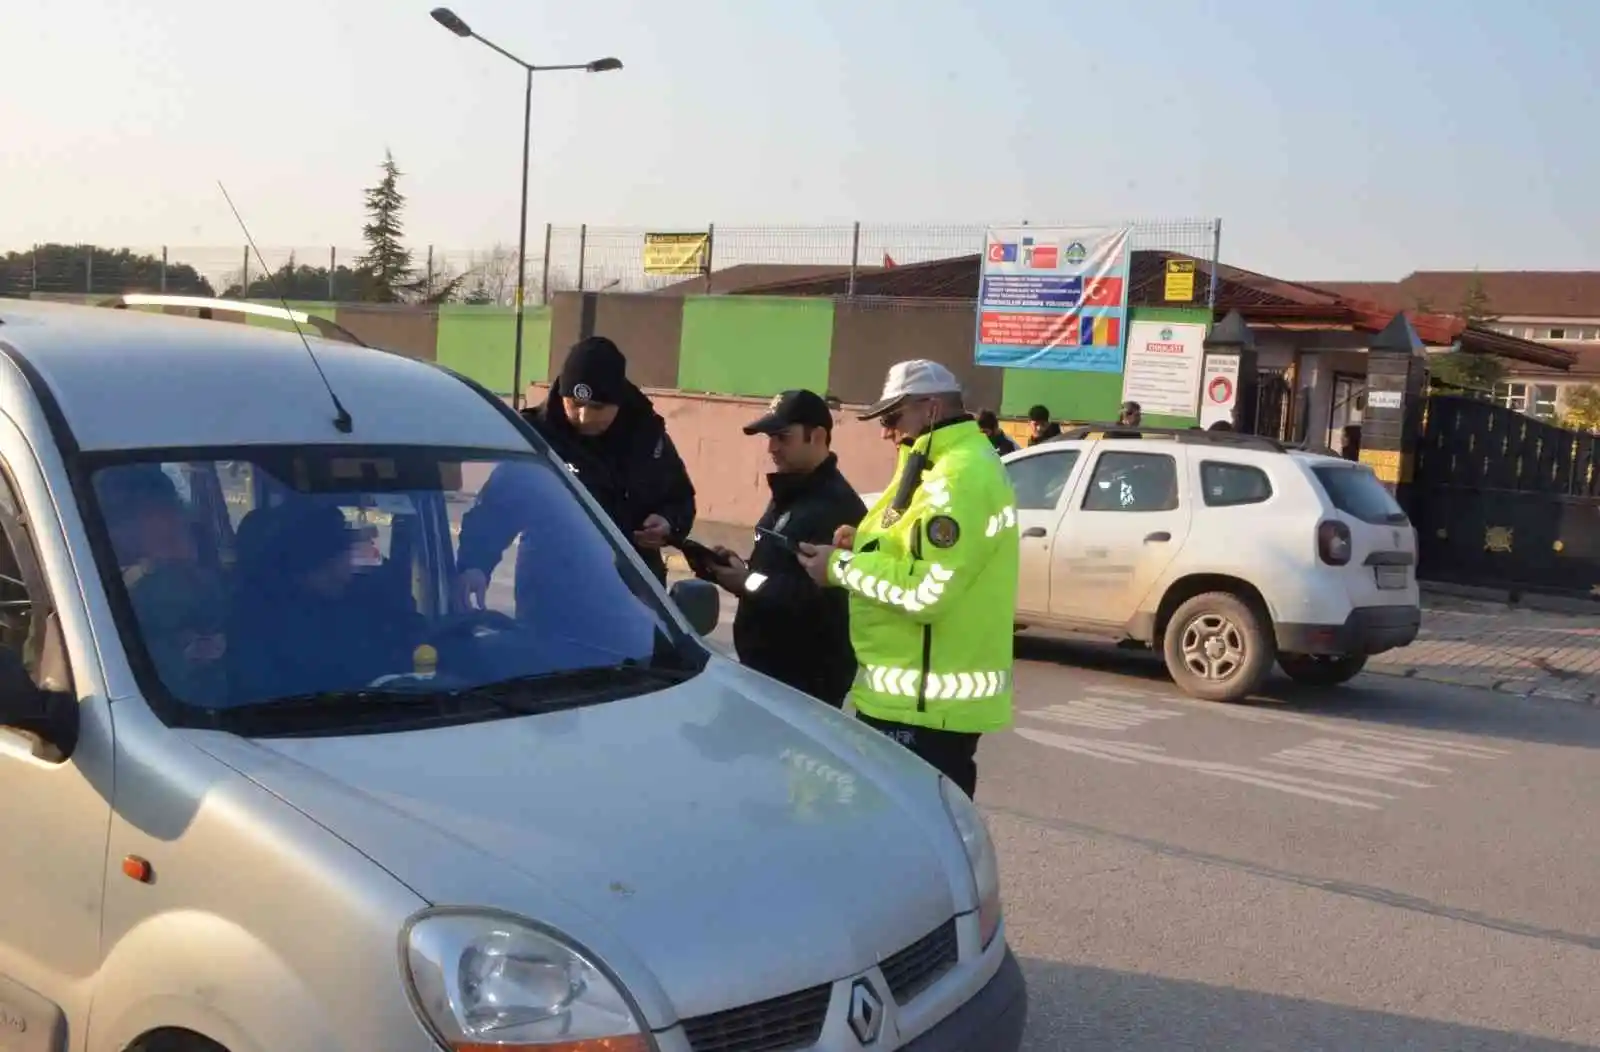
(1357, 491)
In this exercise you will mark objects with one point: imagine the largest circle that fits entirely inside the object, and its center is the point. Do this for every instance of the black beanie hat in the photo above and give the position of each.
(595, 371)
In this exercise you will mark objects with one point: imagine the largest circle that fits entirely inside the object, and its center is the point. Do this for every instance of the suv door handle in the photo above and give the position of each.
(1161, 535)
(1034, 531)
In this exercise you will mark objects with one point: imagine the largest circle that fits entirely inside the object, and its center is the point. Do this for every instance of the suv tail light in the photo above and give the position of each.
(1333, 542)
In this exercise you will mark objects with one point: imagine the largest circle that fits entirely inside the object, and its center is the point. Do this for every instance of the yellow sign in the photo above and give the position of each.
(1180, 281)
(676, 253)
(1389, 465)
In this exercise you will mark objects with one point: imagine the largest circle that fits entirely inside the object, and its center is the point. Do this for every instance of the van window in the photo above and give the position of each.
(1356, 491)
(1227, 485)
(20, 627)
(247, 576)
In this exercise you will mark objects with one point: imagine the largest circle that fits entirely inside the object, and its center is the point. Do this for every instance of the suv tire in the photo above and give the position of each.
(1316, 670)
(1217, 647)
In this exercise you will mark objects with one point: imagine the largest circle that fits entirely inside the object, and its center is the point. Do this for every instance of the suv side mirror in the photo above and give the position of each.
(700, 602)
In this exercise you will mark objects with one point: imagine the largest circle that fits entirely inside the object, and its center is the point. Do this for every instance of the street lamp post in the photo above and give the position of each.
(451, 21)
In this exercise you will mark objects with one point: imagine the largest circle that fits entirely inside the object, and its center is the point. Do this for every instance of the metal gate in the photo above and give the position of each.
(1272, 403)
(1503, 500)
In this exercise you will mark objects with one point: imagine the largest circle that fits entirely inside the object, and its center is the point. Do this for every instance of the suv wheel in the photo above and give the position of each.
(1317, 670)
(1217, 647)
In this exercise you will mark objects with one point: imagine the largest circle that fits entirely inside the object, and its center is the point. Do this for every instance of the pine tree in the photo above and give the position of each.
(386, 268)
(1464, 370)
(1475, 303)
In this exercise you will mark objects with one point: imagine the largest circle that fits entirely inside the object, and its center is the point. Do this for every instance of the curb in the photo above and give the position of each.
(1513, 686)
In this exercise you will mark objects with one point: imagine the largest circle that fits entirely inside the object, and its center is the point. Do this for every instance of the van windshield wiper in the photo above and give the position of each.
(521, 695)
(571, 688)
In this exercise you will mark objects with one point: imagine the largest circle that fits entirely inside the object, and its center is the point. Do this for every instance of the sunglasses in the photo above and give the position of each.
(892, 417)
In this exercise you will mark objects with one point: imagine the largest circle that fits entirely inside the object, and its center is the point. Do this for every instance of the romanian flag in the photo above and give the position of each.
(1100, 331)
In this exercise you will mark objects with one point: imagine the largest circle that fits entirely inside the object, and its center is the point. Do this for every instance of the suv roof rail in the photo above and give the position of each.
(326, 329)
(1187, 435)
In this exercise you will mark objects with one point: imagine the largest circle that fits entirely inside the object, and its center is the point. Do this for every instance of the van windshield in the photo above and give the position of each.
(245, 577)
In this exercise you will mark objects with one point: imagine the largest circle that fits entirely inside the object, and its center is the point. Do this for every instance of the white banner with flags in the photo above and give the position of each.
(1053, 298)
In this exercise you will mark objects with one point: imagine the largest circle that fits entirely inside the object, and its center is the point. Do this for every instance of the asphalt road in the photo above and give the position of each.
(1391, 865)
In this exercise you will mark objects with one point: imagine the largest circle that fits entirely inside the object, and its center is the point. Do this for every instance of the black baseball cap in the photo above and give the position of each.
(789, 408)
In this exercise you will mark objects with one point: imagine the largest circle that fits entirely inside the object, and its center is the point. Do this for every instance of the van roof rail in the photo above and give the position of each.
(1186, 435)
(326, 329)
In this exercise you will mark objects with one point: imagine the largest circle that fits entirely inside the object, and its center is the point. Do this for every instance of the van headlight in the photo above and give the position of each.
(974, 831)
(485, 981)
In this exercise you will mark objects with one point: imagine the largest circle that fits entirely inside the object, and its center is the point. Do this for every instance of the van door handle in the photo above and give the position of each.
(1033, 531)
(1161, 535)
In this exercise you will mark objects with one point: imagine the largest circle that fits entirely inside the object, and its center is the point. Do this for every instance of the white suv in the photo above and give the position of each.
(1224, 551)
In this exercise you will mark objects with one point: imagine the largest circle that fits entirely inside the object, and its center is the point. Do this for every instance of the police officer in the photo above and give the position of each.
(931, 572)
(610, 435)
(787, 625)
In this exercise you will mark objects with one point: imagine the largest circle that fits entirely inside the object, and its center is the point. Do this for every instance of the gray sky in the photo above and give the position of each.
(1346, 139)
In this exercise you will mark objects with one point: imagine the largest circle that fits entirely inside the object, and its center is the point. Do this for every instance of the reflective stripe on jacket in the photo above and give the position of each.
(933, 589)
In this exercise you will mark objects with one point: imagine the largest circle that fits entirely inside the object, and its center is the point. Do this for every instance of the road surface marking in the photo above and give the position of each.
(1134, 753)
(1357, 760)
(1102, 714)
(1322, 724)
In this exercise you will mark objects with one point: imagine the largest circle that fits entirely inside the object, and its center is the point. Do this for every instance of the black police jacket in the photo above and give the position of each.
(633, 471)
(787, 625)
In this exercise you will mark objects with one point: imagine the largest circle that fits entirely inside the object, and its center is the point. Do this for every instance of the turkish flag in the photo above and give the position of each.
(1103, 292)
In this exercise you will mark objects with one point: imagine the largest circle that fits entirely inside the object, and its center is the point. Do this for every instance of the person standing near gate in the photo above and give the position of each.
(787, 625)
(931, 572)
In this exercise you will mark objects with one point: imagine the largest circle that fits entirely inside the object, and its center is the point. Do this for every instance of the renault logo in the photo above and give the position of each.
(866, 1012)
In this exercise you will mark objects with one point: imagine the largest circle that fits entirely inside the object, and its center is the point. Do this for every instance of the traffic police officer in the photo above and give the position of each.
(932, 577)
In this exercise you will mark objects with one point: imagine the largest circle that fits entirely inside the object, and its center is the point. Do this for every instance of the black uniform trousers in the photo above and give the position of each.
(953, 754)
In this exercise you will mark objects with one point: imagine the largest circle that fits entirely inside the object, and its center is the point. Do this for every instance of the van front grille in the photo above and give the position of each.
(793, 1021)
(916, 967)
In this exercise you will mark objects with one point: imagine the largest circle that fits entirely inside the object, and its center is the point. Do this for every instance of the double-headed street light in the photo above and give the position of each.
(451, 21)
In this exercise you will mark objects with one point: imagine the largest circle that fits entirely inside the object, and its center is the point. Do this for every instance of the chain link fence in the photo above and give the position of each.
(560, 258)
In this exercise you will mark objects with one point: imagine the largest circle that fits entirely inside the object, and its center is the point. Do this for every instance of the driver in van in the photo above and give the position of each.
(301, 625)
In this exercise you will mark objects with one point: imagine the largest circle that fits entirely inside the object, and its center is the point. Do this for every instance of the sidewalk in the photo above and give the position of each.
(1466, 642)
(1515, 651)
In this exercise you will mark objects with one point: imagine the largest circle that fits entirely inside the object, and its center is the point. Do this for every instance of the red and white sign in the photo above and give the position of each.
(1162, 370)
(1220, 388)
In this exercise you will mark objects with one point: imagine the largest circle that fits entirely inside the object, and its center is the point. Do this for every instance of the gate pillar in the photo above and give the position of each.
(1230, 365)
(1397, 371)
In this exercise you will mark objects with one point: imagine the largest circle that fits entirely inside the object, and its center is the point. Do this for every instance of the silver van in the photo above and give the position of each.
(269, 782)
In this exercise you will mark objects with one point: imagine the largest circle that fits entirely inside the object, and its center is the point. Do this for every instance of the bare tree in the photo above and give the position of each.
(492, 276)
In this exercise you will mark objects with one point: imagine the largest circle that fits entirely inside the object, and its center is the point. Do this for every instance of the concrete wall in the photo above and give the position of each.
(743, 346)
(729, 468)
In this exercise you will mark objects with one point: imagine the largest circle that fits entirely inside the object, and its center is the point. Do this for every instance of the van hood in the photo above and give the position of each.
(718, 843)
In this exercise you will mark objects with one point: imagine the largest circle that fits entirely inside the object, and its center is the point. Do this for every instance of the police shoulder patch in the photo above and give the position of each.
(943, 531)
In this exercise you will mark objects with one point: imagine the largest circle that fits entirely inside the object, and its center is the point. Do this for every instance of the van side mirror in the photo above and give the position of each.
(700, 602)
(49, 714)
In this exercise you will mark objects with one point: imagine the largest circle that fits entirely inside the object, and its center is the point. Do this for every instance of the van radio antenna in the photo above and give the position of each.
(341, 417)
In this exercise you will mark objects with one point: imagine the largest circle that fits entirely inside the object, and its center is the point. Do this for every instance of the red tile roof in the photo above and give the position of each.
(1513, 293)
(1262, 299)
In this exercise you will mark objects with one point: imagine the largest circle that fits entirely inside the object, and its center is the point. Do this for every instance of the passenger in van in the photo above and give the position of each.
(179, 604)
(616, 444)
(145, 517)
(300, 626)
